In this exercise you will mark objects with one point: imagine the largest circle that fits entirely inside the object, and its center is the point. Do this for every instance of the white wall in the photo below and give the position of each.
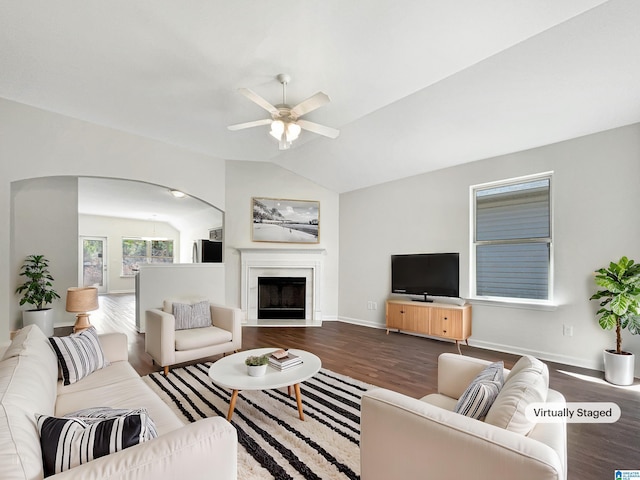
(255, 179)
(114, 230)
(35, 143)
(44, 221)
(596, 197)
(157, 283)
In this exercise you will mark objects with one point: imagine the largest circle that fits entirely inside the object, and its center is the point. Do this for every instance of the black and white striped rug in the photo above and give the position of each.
(273, 441)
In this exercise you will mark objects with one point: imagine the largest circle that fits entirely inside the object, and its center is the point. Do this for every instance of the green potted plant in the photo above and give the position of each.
(619, 297)
(37, 290)
(257, 365)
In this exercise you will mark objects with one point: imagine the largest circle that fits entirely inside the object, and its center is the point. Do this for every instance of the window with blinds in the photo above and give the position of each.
(513, 239)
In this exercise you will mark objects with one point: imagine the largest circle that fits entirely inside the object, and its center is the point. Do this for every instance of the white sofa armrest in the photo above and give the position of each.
(206, 449)
(114, 346)
(402, 437)
(159, 340)
(455, 373)
(227, 318)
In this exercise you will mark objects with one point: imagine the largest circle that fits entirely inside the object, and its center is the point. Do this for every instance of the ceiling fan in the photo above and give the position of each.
(285, 121)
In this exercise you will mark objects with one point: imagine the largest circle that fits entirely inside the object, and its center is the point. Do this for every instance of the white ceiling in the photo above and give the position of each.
(416, 85)
(145, 201)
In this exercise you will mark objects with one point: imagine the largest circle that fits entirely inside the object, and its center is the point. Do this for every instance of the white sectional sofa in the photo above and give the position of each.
(29, 385)
(408, 438)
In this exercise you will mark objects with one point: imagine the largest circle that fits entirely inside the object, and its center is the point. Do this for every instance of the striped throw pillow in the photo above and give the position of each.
(478, 397)
(97, 414)
(79, 354)
(69, 442)
(196, 315)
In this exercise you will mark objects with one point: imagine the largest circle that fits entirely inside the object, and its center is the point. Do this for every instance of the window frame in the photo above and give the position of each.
(148, 252)
(509, 301)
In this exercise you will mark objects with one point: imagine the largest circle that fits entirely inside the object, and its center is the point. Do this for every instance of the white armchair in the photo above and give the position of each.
(168, 346)
(403, 437)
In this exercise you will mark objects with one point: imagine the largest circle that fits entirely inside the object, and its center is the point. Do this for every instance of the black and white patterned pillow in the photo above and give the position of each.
(96, 414)
(79, 354)
(478, 397)
(196, 315)
(69, 442)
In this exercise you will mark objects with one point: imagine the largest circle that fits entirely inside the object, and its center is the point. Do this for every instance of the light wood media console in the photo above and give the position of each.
(435, 319)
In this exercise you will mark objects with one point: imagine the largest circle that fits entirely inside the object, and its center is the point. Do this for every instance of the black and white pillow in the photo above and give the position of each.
(478, 397)
(195, 315)
(79, 354)
(69, 442)
(97, 414)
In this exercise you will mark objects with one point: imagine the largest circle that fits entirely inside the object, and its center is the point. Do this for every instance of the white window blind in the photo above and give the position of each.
(512, 240)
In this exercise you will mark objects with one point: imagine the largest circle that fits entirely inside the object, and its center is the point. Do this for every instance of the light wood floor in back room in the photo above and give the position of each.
(408, 364)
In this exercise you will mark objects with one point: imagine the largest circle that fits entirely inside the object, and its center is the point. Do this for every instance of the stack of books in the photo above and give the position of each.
(282, 360)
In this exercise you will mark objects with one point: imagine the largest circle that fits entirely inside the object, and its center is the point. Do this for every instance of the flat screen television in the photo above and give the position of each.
(436, 274)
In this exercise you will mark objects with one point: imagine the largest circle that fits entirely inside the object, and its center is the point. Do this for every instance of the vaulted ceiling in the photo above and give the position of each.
(415, 85)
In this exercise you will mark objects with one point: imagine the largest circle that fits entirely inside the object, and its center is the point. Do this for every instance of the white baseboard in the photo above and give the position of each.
(364, 323)
(116, 292)
(64, 324)
(542, 355)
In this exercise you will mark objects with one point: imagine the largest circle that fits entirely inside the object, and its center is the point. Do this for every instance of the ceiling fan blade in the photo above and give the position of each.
(310, 104)
(319, 129)
(255, 123)
(254, 97)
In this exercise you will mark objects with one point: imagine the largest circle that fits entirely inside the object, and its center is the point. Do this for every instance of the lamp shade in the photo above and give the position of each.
(277, 129)
(293, 131)
(82, 299)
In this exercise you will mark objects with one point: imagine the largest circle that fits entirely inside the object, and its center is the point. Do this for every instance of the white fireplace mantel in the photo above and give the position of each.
(283, 262)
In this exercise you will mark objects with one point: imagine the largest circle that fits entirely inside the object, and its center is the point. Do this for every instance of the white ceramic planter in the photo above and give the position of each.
(41, 318)
(256, 370)
(618, 369)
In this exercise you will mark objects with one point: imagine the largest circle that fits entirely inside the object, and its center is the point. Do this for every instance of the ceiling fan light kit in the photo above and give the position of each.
(285, 123)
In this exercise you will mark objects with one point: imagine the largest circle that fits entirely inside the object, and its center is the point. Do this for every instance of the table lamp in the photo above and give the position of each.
(81, 300)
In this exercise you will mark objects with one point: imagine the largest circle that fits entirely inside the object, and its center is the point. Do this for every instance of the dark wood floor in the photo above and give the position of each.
(408, 364)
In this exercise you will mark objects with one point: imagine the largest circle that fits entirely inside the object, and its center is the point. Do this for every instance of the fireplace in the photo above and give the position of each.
(281, 298)
(282, 262)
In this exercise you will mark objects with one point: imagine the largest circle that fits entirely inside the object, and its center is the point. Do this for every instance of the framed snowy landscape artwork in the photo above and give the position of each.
(282, 220)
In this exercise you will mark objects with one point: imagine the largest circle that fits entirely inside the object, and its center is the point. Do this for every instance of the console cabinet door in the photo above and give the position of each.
(437, 320)
(395, 316)
(417, 319)
(447, 323)
(408, 317)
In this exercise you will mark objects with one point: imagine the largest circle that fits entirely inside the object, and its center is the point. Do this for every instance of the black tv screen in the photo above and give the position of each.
(436, 274)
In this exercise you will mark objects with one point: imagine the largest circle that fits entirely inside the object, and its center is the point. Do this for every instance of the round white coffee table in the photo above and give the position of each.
(231, 372)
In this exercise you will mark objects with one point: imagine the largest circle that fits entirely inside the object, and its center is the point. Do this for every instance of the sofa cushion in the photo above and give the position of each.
(69, 442)
(118, 386)
(478, 397)
(28, 379)
(201, 337)
(197, 315)
(79, 354)
(97, 414)
(528, 382)
(439, 400)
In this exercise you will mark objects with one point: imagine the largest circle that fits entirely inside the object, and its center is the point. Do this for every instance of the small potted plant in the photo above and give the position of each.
(619, 308)
(257, 365)
(37, 291)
